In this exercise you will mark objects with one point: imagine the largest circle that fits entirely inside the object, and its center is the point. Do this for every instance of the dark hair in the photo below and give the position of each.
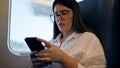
(78, 24)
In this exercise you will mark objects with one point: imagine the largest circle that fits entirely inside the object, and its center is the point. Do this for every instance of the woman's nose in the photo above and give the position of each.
(59, 18)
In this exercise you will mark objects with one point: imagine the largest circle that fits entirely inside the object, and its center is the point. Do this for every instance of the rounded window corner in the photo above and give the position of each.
(18, 53)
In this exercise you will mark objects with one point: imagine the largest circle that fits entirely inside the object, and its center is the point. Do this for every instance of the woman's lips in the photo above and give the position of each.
(61, 24)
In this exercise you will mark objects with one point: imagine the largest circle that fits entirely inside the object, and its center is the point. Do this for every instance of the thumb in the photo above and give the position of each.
(47, 44)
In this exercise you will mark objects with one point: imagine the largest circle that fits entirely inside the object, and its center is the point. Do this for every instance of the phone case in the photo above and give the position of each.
(34, 44)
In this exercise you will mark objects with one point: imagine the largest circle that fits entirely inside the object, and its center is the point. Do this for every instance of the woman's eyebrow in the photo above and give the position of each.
(62, 10)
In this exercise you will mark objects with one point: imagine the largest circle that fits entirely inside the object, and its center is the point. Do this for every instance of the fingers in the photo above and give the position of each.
(35, 60)
(47, 44)
(38, 63)
(45, 57)
(33, 52)
(40, 59)
(41, 54)
(32, 55)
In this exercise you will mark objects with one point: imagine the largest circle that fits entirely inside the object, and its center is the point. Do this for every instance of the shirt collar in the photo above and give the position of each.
(72, 36)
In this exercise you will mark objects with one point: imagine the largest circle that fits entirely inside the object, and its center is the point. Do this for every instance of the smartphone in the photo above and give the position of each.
(34, 44)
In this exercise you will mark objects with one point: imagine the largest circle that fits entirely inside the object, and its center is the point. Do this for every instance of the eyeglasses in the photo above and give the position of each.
(63, 14)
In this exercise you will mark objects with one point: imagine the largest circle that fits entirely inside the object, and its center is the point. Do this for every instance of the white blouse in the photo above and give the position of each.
(84, 48)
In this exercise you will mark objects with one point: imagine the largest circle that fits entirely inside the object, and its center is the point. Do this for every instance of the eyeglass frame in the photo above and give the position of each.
(55, 15)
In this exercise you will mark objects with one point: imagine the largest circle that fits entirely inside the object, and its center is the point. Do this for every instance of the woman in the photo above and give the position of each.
(73, 45)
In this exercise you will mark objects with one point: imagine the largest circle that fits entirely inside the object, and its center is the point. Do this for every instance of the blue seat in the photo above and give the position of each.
(113, 43)
(103, 17)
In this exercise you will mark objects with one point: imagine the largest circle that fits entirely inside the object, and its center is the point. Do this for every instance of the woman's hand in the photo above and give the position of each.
(55, 54)
(36, 63)
(51, 54)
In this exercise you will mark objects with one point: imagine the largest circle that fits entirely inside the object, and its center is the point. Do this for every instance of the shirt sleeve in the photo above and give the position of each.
(94, 56)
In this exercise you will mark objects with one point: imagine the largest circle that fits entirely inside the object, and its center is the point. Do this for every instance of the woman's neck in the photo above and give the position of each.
(65, 35)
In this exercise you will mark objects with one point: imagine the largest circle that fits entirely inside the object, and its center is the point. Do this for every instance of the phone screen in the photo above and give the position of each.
(34, 44)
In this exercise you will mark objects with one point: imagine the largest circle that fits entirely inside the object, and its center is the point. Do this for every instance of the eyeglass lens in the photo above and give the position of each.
(63, 14)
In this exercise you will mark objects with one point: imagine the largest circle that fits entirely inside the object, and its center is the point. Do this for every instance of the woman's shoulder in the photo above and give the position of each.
(89, 35)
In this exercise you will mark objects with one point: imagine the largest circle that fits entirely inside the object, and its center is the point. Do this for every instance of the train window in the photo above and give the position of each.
(28, 18)
(79, 0)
